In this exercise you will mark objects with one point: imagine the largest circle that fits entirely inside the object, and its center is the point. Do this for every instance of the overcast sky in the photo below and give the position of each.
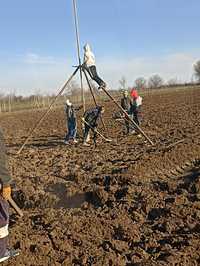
(130, 38)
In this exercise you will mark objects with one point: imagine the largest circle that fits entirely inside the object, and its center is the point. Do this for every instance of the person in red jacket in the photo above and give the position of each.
(136, 107)
(134, 93)
(5, 194)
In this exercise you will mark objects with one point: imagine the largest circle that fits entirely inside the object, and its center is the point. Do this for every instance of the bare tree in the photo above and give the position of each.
(122, 83)
(140, 83)
(72, 88)
(172, 82)
(155, 81)
(197, 70)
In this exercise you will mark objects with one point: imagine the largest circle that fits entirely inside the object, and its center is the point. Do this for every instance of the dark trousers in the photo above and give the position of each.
(127, 126)
(137, 116)
(86, 132)
(4, 219)
(93, 74)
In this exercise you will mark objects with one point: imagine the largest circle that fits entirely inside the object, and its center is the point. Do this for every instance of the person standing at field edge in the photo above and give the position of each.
(136, 108)
(89, 65)
(5, 194)
(126, 104)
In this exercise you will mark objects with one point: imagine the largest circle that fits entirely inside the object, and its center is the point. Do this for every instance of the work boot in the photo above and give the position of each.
(9, 254)
(75, 141)
(88, 138)
(66, 142)
(86, 144)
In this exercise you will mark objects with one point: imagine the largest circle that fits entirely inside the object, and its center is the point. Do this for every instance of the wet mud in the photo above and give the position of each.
(121, 203)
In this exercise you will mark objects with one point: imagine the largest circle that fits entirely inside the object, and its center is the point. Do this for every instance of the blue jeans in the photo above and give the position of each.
(72, 130)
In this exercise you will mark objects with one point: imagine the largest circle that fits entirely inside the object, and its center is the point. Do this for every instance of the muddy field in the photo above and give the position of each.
(122, 203)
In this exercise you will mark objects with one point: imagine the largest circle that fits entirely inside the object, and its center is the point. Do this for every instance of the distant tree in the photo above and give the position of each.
(155, 81)
(122, 83)
(197, 70)
(1, 95)
(140, 83)
(172, 82)
(95, 88)
(73, 88)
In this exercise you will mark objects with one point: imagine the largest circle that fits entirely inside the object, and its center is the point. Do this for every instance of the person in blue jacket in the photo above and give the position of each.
(70, 112)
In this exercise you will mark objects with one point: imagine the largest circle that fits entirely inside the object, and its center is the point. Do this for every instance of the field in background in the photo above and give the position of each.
(13, 103)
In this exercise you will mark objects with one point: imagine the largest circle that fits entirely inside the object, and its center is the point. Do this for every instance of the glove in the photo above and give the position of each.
(83, 119)
(6, 192)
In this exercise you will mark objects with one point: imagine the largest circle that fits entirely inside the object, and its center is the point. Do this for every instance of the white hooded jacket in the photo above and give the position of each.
(139, 101)
(89, 58)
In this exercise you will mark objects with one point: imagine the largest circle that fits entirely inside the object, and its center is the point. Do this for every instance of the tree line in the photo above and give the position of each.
(11, 102)
(156, 81)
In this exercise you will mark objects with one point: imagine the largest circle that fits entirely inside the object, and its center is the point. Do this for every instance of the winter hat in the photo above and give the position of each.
(125, 92)
(100, 108)
(68, 102)
(87, 47)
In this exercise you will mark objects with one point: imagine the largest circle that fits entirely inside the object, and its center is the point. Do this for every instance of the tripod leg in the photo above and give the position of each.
(82, 89)
(91, 90)
(47, 111)
(127, 116)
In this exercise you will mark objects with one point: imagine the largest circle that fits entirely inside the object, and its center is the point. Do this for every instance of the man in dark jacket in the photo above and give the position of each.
(91, 119)
(126, 104)
(5, 194)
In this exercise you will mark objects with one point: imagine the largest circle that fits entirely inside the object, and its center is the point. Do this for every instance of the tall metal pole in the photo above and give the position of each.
(78, 50)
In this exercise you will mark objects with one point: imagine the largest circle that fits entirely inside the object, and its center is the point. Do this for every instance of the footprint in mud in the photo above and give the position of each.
(60, 193)
(156, 213)
(121, 193)
(160, 186)
(37, 222)
(20, 198)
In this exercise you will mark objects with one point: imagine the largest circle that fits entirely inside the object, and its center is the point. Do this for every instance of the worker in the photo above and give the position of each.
(126, 104)
(136, 107)
(70, 112)
(90, 66)
(91, 119)
(5, 180)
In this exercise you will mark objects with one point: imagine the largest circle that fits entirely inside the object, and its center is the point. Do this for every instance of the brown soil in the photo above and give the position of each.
(122, 203)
